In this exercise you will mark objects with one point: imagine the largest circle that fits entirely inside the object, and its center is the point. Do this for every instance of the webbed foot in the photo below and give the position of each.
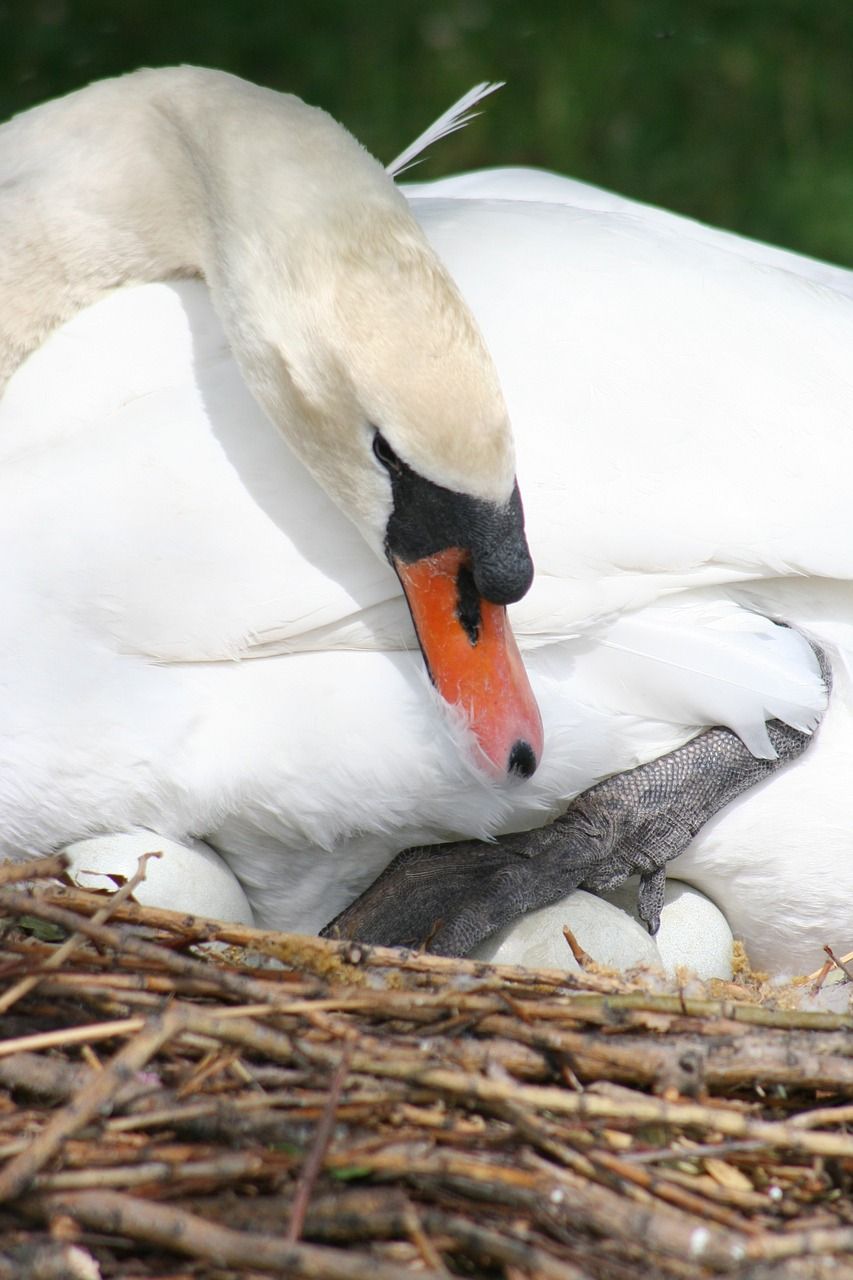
(448, 898)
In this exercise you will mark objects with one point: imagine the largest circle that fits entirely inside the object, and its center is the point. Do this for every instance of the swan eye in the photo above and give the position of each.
(386, 454)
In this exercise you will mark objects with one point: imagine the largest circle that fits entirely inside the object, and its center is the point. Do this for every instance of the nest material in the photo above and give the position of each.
(367, 1113)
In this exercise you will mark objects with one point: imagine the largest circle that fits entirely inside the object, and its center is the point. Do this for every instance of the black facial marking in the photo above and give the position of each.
(468, 604)
(428, 518)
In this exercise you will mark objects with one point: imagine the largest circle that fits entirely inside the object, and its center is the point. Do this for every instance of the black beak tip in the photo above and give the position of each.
(522, 759)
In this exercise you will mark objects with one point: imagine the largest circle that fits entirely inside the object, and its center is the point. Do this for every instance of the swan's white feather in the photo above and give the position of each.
(538, 186)
(450, 121)
(703, 660)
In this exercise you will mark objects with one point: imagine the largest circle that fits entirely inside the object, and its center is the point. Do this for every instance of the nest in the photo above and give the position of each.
(168, 1108)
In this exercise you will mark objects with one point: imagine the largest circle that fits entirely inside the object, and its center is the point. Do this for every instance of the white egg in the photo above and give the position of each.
(693, 935)
(186, 877)
(609, 935)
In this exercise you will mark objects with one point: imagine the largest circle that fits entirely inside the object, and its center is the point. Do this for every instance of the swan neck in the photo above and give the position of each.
(145, 178)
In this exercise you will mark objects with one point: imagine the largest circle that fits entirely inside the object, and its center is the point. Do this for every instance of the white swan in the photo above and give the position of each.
(681, 416)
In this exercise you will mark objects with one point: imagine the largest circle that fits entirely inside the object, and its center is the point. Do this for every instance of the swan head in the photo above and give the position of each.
(365, 354)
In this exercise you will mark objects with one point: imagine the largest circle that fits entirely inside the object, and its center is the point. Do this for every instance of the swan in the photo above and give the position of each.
(195, 641)
(326, 302)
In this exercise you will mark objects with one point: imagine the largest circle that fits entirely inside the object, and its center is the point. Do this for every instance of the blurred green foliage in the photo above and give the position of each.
(739, 112)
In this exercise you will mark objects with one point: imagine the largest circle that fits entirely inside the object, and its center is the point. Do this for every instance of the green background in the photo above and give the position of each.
(739, 112)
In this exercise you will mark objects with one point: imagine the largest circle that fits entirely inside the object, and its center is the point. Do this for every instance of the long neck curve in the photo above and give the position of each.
(337, 311)
(155, 175)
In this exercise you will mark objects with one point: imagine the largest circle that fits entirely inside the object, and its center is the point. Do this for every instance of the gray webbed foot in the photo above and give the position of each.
(448, 898)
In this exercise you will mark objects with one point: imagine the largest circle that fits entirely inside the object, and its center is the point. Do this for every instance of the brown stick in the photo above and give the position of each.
(71, 1035)
(50, 1262)
(821, 1116)
(123, 940)
(343, 960)
(32, 869)
(650, 1059)
(314, 1163)
(552, 1194)
(90, 1033)
(590, 997)
(227, 1168)
(588, 1106)
(484, 1245)
(772, 1246)
(591, 1165)
(45, 1077)
(421, 1241)
(680, 1198)
(583, 958)
(840, 963)
(99, 1090)
(70, 945)
(197, 1237)
(178, 1116)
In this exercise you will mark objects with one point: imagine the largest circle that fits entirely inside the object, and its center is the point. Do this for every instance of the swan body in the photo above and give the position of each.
(195, 640)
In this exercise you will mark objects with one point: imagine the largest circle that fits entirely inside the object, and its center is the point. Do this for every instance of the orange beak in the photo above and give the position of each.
(473, 660)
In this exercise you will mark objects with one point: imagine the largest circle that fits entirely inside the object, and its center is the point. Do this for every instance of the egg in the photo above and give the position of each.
(693, 934)
(187, 877)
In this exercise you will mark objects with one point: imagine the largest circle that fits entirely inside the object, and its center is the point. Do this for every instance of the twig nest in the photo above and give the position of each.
(186, 877)
(693, 934)
(834, 996)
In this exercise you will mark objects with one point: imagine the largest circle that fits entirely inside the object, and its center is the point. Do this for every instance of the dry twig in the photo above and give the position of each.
(402, 1113)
